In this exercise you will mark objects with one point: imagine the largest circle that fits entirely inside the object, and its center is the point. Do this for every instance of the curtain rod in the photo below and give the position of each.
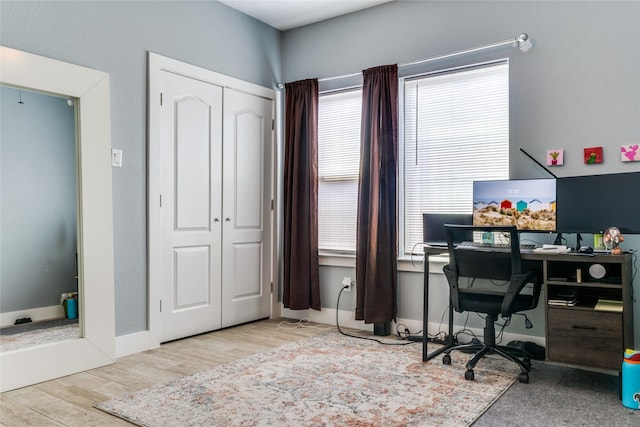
(521, 41)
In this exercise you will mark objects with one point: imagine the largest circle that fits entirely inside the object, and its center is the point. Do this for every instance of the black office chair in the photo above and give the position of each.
(468, 263)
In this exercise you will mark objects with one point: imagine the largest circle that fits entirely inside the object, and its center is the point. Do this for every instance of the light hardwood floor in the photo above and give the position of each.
(69, 401)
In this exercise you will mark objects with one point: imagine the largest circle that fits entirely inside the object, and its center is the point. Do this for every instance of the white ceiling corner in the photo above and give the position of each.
(287, 14)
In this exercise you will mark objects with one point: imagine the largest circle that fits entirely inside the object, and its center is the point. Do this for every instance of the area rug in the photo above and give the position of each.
(326, 380)
(35, 333)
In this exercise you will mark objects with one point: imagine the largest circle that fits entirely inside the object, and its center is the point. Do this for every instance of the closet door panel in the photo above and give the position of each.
(192, 162)
(247, 272)
(249, 161)
(247, 148)
(191, 234)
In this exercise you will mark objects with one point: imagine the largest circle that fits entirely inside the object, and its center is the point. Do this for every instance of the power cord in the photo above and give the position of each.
(303, 323)
(413, 250)
(403, 332)
(634, 258)
(359, 336)
(439, 337)
(527, 322)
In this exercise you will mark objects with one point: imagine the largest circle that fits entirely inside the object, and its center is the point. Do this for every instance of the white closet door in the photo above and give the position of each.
(247, 159)
(191, 226)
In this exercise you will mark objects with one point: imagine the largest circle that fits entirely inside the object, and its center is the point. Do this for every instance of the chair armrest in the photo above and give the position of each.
(517, 283)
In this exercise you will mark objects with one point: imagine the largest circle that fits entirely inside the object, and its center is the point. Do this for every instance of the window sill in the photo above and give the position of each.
(412, 264)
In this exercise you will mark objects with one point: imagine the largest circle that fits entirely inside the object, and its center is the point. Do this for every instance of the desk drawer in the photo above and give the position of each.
(588, 338)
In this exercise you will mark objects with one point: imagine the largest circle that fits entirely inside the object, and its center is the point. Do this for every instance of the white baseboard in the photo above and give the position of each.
(36, 314)
(327, 316)
(133, 343)
(141, 341)
(125, 344)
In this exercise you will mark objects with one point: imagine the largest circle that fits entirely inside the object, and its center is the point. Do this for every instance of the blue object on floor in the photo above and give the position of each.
(631, 380)
(72, 308)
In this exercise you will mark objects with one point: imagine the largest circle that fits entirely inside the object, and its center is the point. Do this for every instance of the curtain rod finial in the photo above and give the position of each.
(280, 86)
(523, 42)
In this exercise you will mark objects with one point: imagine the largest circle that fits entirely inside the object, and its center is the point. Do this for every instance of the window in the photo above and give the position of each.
(338, 169)
(456, 130)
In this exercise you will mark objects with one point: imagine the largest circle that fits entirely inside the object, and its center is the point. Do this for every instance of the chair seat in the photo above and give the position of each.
(489, 301)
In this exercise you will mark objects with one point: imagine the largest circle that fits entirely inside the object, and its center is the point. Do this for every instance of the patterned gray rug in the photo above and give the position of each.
(326, 380)
(35, 333)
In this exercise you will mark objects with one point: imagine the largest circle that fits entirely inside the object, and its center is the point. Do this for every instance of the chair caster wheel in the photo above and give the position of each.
(446, 359)
(468, 375)
(524, 377)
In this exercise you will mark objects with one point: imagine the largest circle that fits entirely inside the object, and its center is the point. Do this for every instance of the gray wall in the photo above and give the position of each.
(115, 37)
(38, 238)
(579, 86)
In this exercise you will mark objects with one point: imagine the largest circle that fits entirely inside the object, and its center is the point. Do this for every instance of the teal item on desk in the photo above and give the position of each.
(487, 237)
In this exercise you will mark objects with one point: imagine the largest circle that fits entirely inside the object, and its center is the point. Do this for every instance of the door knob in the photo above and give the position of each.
(216, 219)
(227, 219)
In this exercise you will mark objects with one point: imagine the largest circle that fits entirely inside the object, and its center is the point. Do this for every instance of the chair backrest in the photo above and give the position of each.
(498, 263)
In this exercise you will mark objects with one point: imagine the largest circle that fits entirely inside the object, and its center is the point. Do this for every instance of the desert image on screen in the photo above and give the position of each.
(527, 204)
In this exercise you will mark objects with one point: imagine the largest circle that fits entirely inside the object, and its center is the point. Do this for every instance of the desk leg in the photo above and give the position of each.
(425, 309)
(425, 319)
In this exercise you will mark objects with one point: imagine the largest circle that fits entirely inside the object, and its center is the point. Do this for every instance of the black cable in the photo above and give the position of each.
(506, 323)
(634, 263)
(464, 330)
(358, 336)
(527, 323)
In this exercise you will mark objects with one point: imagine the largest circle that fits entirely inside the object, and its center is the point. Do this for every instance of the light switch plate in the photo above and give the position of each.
(116, 158)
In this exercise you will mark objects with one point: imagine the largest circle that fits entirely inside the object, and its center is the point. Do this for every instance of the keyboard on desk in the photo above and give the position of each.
(502, 246)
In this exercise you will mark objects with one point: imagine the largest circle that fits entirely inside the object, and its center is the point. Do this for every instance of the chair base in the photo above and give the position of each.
(515, 355)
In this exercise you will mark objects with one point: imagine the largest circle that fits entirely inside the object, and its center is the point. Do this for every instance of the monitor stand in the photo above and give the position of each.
(558, 240)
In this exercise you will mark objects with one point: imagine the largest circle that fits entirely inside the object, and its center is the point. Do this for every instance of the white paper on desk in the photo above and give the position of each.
(553, 250)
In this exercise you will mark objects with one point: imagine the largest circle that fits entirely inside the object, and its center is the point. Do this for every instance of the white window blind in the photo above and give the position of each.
(338, 169)
(456, 130)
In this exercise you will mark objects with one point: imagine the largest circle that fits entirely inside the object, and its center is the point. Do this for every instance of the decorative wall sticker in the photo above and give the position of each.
(630, 153)
(592, 155)
(555, 157)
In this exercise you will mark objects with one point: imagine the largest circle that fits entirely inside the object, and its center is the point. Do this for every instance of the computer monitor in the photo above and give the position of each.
(593, 203)
(529, 204)
(433, 226)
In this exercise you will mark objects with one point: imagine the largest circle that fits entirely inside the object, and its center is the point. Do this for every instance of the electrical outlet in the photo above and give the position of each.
(346, 283)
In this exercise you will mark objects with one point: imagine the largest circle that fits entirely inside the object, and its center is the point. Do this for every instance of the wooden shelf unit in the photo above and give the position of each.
(579, 334)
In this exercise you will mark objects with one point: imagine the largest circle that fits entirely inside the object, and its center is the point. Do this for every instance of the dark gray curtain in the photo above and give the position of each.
(376, 245)
(300, 282)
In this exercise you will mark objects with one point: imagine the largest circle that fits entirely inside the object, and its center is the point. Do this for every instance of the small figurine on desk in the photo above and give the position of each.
(612, 239)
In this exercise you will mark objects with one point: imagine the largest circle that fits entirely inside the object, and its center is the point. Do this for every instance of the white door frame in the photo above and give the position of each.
(158, 64)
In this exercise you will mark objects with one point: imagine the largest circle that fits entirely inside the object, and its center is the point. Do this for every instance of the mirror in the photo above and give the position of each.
(38, 218)
(96, 345)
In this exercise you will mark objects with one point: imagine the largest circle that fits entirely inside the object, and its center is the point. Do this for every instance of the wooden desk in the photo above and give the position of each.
(579, 335)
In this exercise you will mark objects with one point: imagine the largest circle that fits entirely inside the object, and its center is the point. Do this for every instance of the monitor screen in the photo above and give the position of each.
(593, 203)
(433, 226)
(529, 204)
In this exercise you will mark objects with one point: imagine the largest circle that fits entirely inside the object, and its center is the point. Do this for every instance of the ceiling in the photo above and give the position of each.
(287, 14)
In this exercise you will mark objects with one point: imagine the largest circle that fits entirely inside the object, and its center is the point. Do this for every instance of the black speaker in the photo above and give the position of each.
(382, 329)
